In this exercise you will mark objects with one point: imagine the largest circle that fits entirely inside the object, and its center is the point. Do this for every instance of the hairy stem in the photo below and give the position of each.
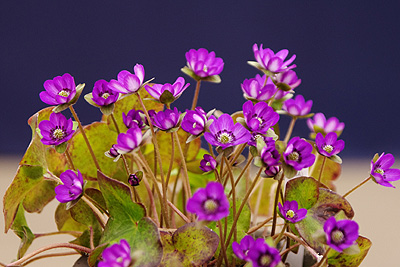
(357, 186)
(196, 95)
(290, 129)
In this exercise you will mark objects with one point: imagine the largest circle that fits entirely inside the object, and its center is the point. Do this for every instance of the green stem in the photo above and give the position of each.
(96, 211)
(74, 233)
(223, 247)
(172, 159)
(276, 205)
(357, 186)
(196, 95)
(281, 234)
(97, 205)
(273, 97)
(290, 129)
(115, 123)
(233, 195)
(241, 173)
(84, 137)
(69, 159)
(320, 172)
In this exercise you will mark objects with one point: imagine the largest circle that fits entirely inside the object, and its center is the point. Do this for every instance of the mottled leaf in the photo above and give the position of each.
(304, 190)
(344, 260)
(96, 253)
(65, 222)
(21, 229)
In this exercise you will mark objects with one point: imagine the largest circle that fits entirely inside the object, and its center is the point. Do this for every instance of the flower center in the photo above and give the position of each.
(208, 164)
(265, 260)
(260, 120)
(64, 92)
(105, 95)
(290, 214)
(194, 125)
(205, 68)
(328, 148)
(294, 156)
(337, 236)
(58, 134)
(210, 205)
(224, 138)
(379, 170)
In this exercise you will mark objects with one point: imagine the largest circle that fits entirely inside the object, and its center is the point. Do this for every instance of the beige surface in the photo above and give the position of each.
(376, 208)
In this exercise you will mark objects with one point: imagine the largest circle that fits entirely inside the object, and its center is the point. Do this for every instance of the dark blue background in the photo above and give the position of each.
(348, 56)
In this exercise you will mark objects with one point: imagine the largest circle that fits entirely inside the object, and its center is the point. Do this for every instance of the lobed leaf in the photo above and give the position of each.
(345, 260)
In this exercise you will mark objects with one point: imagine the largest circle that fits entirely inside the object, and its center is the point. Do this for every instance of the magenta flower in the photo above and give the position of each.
(260, 117)
(298, 154)
(262, 255)
(340, 234)
(59, 91)
(272, 171)
(175, 90)
(225, 134)
(71, 188)
(129, 141)
(322, 125)
(271, 61)
(209, 203)
(165, 120)
(289, 78)
(243, 248)
(297, 106)
(113, 153)
(194, 121)
(134, 117)
(328, 146)
(270, 156)
(381, 172)
(254, 89)
(127, 82)
(208, 163)
(102, 95)
(290, 211)
(117, 255)
(57, 130)
(204, 63)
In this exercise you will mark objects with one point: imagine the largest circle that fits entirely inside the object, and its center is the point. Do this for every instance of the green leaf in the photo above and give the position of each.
(65, 222)
(304, 190)
(167, 97)
(84, 238)
(190, 73)
(127, 221)
(190, 245)
(96, 253)
(82, 213)
(21, 229)
(39, 196)
(330, 173)
(345, 260)
(107, 110)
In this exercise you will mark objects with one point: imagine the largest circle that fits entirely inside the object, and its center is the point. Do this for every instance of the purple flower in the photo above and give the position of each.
(271, 61)
(59, 91)
(57, 130)
(204, 63)
(254, 89)
(117, 255)
(270, 156)
(260, 117)
(113, 153)
(289, 78)
(322, 125)
(102, 95)
(340, 234)
(165, 120)
(243, 248)
(297, 106)
(298, 154)
(262, 255)
(175, 89)
(209, 203)
(71, 188)
(129, 141)
(290, 211)
(208, 163)
(134, 117)
(225, 134)
(328, 146)
(381, 172)
(127, 82)
(272, 171)
(194, 121)
(133, 180)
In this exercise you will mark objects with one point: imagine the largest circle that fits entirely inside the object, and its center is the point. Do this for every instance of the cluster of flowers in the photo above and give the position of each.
(255, 129)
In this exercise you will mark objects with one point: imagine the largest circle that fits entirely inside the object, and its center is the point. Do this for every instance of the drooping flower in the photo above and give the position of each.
(194, 121)
(208, 163)
(243, 248)
(328, 146)
(340, 234)
(134, 180)
(57, 130)
(134, 117)
(159, 91)
(102, 95)
(381, 172)
(259, 117)
(269, 155)
(113, 153)
(59, 90)
(254, 89)
(209, 203)
(298, 154)
(262, 255)
(271, 61)
(127, 82)
(288, 78)
(297, 106)
(224, 133)
(117, 255)
(290, 211)
(319, 124)
(204, 63)
(272, 171)
(165, 120)
(129, 141)
(71, 188)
